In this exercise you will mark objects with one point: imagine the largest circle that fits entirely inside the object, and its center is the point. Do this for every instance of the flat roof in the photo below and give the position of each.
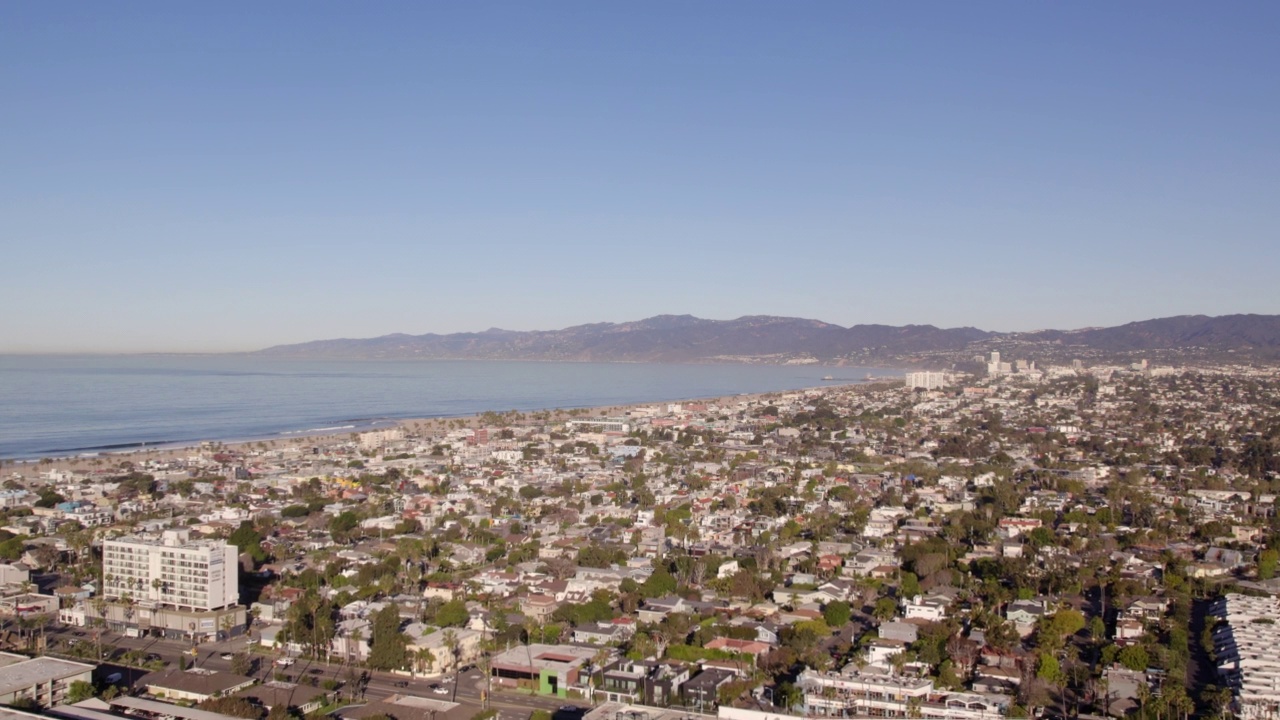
(196, 680)
(22, 675)
(409, 707)
(163, 708)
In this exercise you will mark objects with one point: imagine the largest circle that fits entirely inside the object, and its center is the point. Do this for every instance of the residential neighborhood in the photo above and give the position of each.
(1058, 541)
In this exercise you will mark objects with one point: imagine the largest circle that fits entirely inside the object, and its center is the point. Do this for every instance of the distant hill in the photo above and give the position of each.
(1227, 332)
(763, 338)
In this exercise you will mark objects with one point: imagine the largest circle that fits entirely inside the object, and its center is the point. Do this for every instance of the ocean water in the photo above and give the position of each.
(64, 405)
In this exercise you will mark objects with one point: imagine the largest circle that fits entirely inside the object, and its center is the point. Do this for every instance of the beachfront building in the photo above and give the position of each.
(604, 424)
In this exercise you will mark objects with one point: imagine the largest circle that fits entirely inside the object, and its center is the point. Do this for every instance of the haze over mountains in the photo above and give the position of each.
(762, 338)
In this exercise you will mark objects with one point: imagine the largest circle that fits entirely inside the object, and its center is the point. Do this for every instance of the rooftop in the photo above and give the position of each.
(22, 675)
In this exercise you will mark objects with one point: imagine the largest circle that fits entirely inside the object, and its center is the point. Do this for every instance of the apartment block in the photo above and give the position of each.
(171, 570)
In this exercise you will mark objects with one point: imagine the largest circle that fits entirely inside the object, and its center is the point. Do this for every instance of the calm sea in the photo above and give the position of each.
(62, 405)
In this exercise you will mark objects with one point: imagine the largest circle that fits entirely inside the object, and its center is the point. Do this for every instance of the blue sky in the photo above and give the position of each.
(204, 177)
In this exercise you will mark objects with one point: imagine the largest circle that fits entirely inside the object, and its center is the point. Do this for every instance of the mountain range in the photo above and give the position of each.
(762, 338)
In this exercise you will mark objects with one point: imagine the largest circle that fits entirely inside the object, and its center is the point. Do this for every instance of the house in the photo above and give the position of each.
(1024, 614)
(995, 679)
(932, 608)
(440, 651)
(749, 648)
(1224, 556)
(647, 682)
(702, 690)
(351, 640)
(445, 591)
(900, 631)
(658, 609)
(1147, 608)
(301, 698)
(196, 684)
(1129, 629)
(1125, 689)
(605, 633)
(538, 607)
(14, 574)
(880, 650)
(795, 596)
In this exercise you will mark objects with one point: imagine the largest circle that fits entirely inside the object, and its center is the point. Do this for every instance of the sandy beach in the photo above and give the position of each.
(422, 427)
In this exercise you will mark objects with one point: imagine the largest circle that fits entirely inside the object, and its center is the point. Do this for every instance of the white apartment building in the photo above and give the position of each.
(856, 694)
(172, 570)
(375, 439)
(1247, 646)
(926, 380)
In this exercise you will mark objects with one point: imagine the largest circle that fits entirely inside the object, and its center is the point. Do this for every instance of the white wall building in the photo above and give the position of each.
(375, 439)
(926, 380)
(1247, 646)
(172, 570)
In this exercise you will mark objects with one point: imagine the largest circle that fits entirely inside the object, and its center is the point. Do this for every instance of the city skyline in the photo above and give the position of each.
(227, 179)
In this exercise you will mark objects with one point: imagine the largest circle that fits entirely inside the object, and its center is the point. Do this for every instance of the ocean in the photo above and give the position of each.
(71, 404)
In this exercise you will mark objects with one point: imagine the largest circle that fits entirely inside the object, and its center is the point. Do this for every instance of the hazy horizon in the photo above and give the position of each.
(256, 349)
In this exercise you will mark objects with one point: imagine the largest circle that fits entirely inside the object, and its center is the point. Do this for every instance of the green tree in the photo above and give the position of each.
(79, 692)
(343, 525)
(248, 540)
(910, 586)
(1134, 657)
(241, 664)
(13, 548)
(387, 650)
(658, 584)
(1048, 669)
(837, 613)
(453, 614)
(885, 608)
(1267, 561)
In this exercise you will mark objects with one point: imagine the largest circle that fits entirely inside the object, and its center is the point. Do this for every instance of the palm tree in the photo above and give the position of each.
(129, 604)
(100, 621)
(597, 661)
(529, 624)
(451, 644)
(426, 660)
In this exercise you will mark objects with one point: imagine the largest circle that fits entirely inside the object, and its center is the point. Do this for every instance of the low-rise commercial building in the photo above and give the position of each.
(42, 680)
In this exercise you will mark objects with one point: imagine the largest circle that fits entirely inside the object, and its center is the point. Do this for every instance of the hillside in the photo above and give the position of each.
(684, 338)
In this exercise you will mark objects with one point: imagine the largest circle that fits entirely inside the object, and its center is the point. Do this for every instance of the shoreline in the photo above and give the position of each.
(91, 459)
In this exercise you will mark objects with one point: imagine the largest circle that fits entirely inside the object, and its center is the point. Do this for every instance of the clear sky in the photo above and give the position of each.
(228, 176)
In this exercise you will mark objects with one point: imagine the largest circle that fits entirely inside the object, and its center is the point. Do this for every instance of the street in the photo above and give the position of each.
(465, 690)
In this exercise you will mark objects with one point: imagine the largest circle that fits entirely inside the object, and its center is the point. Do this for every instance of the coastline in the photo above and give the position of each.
(177, 450)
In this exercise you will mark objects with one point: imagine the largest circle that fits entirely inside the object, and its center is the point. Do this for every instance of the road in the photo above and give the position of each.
(511, 705)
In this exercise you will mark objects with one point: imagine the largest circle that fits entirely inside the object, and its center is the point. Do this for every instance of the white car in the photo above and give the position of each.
(440, 690)
(285, 661)
(227, 656)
